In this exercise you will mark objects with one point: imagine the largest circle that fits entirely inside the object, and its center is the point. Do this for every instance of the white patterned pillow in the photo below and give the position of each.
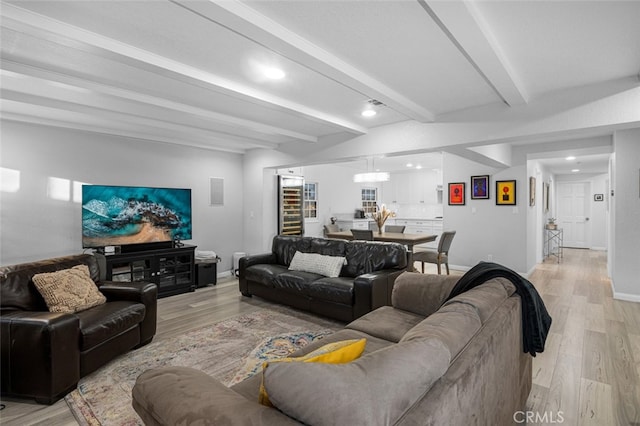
(329, 266)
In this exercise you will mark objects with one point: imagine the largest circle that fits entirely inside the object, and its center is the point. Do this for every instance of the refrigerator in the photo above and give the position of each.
(290, 205)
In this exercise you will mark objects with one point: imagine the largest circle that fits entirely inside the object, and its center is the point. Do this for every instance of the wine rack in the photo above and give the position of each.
(290, 205)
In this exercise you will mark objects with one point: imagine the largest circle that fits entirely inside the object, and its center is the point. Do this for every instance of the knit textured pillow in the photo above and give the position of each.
(69, 290)
(329, 266)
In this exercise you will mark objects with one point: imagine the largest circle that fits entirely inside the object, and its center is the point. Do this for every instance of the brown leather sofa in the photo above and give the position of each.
(365, 282)
(44, 354)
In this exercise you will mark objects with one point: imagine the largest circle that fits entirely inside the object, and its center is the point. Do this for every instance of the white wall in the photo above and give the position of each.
(483, 228)
(260, 195)
(35, 226)
(338, 194)
(626, 210)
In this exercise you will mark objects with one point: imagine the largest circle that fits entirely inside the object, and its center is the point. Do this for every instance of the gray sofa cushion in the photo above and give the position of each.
(421, 294)
(454, 325)
(386, 323)
(185, 396)
(376, 389)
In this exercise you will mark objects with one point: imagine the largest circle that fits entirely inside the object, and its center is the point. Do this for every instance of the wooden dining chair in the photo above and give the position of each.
(362, 234)
(394, 228)
(439, 256)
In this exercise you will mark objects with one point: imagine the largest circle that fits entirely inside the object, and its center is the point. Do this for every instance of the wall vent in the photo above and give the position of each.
(216, 191)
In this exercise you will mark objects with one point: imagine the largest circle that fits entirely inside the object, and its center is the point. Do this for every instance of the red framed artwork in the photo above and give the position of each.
(456, 194)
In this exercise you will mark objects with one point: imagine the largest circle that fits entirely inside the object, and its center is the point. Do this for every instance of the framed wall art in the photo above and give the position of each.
(456, 194)
(505, 192)
(480, 187)
(598, 197)
(532, 191)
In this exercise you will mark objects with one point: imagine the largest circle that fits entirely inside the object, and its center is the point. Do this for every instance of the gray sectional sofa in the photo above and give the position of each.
(426, 362)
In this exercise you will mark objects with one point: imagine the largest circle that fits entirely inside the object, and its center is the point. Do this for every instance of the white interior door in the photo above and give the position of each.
(573, 213)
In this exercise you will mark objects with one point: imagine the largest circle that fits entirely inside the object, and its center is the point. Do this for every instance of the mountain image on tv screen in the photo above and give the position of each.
(122, 215)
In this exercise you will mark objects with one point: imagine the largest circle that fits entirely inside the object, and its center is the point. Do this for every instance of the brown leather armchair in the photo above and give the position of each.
(44, 354)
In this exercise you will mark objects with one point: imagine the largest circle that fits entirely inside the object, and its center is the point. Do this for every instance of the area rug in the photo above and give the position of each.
(230, 351)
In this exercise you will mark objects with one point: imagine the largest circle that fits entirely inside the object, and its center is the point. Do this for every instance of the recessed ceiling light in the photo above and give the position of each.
(418, 166)
(273, 73)
(575, 170)
(409, 165)
(569, 158)
(368, 113)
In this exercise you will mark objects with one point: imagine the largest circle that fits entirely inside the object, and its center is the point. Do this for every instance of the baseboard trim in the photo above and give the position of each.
(223, 274)
(626, 297)
(599, 248)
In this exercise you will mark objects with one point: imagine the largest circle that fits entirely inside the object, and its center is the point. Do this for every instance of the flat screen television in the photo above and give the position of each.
(127, 215)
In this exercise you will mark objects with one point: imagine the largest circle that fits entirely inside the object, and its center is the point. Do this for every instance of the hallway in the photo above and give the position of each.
(589, 373)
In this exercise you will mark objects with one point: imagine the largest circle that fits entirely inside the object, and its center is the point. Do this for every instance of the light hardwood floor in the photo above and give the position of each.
(590, 370)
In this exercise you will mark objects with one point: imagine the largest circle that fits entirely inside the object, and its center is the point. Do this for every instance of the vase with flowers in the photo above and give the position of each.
(381, 215)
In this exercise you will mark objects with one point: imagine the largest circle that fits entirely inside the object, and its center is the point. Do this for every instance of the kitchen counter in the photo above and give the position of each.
(417, 218)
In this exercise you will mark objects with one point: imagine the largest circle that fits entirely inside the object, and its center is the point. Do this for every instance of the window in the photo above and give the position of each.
(369, 200)
(311, 200)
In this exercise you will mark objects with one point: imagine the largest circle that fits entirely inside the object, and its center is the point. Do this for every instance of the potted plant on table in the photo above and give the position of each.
(551, 223)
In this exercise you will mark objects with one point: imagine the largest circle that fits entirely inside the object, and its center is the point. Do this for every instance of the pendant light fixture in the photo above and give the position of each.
(371, 176)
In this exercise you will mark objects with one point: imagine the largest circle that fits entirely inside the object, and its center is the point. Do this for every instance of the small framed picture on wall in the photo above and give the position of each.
(480, 187)
(456, 194)
(505, 192)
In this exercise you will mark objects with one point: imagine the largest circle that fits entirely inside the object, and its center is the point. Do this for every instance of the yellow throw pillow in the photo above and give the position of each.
(69, 290)
(331, 353)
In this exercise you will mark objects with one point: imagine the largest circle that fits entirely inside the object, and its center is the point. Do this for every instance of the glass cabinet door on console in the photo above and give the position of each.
(172, 269)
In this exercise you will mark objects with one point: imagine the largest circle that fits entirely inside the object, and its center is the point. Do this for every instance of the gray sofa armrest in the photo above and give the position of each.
(373, 290)
(421, 294)
(182, 395)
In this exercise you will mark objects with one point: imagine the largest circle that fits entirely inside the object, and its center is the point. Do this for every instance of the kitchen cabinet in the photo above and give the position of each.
(423, 226)
(411, 188)
(346, 225)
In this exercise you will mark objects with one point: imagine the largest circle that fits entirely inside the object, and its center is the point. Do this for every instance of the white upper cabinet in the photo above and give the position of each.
(411, 188)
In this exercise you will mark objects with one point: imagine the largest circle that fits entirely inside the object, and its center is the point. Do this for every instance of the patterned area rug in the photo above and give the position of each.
(230, 351)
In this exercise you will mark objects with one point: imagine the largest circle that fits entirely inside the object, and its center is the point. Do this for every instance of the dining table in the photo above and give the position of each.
(409, 240)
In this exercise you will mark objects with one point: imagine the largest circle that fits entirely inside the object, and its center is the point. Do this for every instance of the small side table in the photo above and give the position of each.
(553, 243)
(206, 272)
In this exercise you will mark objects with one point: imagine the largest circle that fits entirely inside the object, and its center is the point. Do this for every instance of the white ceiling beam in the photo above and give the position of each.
(41, 120)
(464, 25)
(478, 157)
(245, 21)
(22, 20)
(124, 117)
(247, 127)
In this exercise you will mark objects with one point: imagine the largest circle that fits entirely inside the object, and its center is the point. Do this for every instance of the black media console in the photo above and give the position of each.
(171, 268)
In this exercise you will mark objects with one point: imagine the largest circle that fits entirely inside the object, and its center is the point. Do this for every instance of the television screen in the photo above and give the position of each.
(123, 215)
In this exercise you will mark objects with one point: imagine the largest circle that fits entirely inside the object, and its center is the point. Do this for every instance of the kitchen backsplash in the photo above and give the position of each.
(410, 211)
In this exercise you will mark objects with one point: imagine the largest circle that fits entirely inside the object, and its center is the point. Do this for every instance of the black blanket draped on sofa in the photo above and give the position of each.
(536, 321)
